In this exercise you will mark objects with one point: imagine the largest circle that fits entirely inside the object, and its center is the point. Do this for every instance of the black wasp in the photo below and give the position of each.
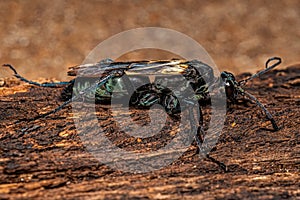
(126, 80)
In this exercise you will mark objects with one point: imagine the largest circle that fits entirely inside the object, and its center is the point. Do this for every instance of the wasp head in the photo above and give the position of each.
(232, 87)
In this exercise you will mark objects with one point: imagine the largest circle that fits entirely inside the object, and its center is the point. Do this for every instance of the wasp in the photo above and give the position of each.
(130, 82)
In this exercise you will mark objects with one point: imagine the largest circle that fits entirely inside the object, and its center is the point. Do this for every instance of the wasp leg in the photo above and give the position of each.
(55, 84)
(220, 164)
(199, 141)
(268, 114)
(193, 122)
(98, 83)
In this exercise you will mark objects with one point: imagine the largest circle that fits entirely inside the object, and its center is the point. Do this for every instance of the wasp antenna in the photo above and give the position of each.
(11, 67)
(268, 68)
(55, 84)
(268, 114)
(274, 65)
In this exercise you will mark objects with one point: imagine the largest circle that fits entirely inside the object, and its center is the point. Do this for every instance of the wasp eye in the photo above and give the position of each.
(227, 76)
(224, 75)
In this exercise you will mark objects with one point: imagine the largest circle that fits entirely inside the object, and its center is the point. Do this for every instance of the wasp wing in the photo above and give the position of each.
(96, 69)
(161, 67)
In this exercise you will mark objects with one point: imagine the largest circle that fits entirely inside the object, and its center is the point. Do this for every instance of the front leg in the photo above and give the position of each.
(268, 114)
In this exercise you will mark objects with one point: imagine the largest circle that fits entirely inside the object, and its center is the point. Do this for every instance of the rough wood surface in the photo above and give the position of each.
(46, 158)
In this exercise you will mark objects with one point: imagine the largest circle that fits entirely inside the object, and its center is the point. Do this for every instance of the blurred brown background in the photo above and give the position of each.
(43, 38)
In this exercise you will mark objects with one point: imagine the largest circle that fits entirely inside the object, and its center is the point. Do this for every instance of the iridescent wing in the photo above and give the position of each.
(160, 67)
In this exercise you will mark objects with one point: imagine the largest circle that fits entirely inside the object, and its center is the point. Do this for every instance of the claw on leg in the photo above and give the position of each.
(220, 164)
(199, 141)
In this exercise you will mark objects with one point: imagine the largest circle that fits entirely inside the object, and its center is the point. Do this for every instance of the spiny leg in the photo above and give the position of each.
(200, 142)
(195, 131)
(258, 74)
(55, 84)
(268, 114)
(98, 83)
(220, 164)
